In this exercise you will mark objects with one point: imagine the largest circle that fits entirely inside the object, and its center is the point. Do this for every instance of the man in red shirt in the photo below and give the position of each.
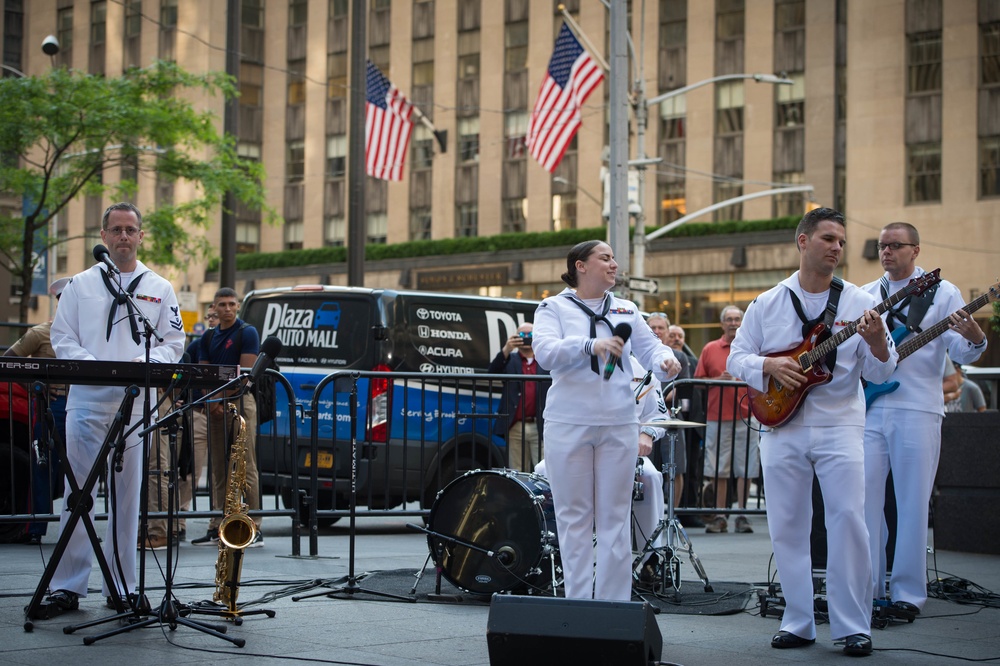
(521, 402)
(728, 450)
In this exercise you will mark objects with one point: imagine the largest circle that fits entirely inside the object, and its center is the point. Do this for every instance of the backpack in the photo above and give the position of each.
(263, 390)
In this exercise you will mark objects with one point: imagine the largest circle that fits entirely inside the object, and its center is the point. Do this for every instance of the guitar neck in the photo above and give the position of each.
(938, 329)
(831, 343)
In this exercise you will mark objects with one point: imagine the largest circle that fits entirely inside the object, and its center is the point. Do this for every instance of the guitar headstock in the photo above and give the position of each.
(919, 285)
(995, 292)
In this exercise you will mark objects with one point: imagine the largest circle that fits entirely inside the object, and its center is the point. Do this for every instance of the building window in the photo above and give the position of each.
(515, 216)
(670, 177)
(336, 156)
(247, 236)
(791, 102)
(420, 224)
(468, 139)
(337, 75)
(377, 225)
(729, 107)
(923, 172)
(298, 12)
(563, 211)
(422, 148)
(924, 62)
(248, 151)
(467, 220)
(516, 133)
(168, 14)
(723, 192)
(294, 234)
(252, 13)
(793, 203)
(334, 231)
(296, 82)
(515, 46)
(98, 23)
(64, 30)
(295, 166)
(989, 109)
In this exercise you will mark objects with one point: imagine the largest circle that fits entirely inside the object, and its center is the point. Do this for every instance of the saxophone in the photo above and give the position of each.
(237, 529)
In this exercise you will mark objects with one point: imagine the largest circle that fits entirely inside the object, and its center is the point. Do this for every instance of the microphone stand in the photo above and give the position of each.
(351, 587)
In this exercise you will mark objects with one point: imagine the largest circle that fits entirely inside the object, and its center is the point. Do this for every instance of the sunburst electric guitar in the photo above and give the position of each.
(779, 403)
(874, 391)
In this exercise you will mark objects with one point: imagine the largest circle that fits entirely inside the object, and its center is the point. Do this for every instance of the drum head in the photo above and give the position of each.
(496, 511)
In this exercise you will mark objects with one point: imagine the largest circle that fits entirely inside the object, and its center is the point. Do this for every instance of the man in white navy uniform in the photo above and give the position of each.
(825, 436)
(903, 428)
(93, 323)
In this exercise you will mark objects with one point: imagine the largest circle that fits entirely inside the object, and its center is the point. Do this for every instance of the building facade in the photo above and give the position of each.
(893, 114)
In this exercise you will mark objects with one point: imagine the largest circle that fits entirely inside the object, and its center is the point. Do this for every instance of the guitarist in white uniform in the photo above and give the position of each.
(825, 436)
(903, 428)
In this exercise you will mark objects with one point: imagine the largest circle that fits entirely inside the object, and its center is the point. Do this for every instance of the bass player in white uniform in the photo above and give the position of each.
(903, 428)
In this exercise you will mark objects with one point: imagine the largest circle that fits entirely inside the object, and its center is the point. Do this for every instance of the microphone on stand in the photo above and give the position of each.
(102, 256)
(269, 350)
(624, 331)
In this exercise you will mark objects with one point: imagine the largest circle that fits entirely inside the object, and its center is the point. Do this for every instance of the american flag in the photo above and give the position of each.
(571, 77)
(387, 127)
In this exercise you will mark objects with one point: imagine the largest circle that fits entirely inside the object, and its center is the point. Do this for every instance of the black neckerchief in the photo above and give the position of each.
(594, 318)
(828, 317)
(918, 307)
(119, 298)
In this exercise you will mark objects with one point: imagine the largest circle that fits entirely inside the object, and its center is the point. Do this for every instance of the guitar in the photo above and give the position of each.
(874, 391)
(779, 403)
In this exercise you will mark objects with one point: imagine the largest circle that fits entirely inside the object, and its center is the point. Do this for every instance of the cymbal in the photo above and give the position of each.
(671, 424)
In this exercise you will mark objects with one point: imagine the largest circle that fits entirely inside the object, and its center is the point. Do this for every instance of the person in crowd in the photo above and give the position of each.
(232, 342)
(94, 323)
(521, 402)
(692, 409)
(590, 423)
(825, 436)
(47, 480)
(966, 397)
(730, 447)
(659, 323)
(903, 428)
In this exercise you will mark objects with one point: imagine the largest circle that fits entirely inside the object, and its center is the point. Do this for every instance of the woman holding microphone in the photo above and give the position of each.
(591, 432)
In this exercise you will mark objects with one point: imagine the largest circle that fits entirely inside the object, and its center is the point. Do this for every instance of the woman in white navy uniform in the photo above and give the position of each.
(92, 324)
(590, 423)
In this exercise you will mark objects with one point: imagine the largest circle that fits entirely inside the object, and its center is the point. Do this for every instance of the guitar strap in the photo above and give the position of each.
(918, 307)
(594, 318)
(828, 317)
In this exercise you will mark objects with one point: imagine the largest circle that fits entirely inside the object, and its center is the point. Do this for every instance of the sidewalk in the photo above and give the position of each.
(365, 629)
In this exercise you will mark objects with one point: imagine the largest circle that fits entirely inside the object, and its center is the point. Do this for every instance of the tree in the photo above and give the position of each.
(60, 131)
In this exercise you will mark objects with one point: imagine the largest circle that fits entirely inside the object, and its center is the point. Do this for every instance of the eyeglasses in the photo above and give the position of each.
(893, 246)
(732, 320)
(211, 316)
(117, 231)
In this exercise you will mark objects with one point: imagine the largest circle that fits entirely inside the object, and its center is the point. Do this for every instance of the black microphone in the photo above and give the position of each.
(624, 331)
(269, 350)
(101, 255)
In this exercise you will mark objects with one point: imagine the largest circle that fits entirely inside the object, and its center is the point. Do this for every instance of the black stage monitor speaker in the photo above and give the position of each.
(524, 631)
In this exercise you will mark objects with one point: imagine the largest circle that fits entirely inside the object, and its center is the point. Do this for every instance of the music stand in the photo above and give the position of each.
(676, 537)
(351, 586)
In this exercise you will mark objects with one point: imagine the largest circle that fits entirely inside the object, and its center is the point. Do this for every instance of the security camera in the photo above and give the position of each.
(50, 45)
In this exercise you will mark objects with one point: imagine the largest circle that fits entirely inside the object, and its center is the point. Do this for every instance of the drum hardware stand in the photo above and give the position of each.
(350, 586)
(438, 553)
(677, 538)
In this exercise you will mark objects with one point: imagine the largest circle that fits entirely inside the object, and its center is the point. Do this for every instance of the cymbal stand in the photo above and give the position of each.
(676, 537)
(351, 586)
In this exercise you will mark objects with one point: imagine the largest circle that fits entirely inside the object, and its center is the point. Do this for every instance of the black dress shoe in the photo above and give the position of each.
(858, 645)
(786, 639)
(906, 607)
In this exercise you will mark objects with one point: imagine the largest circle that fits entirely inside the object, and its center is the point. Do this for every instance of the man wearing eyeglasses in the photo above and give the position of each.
(903, 428)
(93, 322)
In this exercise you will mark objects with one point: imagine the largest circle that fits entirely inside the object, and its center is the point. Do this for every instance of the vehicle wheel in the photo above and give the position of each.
(14, 465)
(325, 502)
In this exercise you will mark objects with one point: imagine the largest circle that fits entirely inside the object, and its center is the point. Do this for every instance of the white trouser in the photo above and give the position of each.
(85, 432)
(909, 443)
(590, 471)
(789, 456)
(646, 513)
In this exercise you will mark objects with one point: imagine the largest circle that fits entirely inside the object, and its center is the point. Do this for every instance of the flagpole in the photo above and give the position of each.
(441, 136)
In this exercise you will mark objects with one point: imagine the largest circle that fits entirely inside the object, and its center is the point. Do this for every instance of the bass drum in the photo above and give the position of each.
(504, 511)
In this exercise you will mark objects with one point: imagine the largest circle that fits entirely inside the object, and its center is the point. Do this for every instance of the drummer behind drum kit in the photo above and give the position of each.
(493, 531)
